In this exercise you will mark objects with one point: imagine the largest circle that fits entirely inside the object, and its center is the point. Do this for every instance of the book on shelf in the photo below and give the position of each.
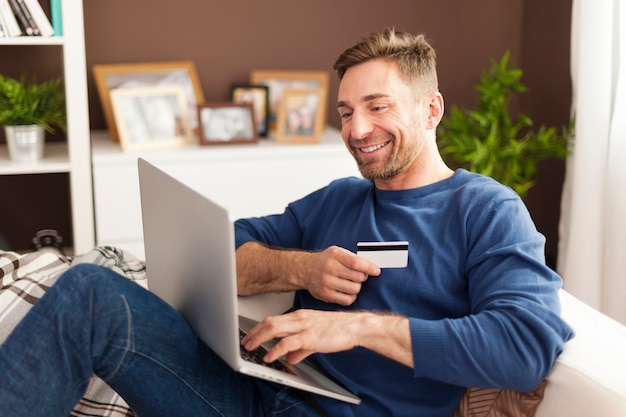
(39, 16)
(10, 24)
(25, 23)
(24, 17)
(56, 17)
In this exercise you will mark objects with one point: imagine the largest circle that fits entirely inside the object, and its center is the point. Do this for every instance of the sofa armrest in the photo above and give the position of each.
(589, 377)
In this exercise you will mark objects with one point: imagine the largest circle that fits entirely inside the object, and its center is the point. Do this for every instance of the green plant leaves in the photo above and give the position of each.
(25, 102)
(489, 141)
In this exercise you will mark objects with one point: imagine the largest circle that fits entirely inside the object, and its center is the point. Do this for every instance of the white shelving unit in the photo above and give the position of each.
(73, 157)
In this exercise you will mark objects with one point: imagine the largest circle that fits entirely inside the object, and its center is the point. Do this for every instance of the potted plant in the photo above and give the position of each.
(489, 141)
(28, 109)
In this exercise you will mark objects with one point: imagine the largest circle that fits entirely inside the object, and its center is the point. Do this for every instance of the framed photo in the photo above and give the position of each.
(277, 81)
(225, 123)
(300, 117)
(114, 76)
(258, 96)
(151, 117)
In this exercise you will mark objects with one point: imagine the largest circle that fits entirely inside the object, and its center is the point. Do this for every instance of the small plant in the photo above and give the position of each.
(490, 142)
(26, 102)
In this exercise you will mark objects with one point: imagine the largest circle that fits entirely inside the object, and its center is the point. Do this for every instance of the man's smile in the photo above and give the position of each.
(373, 148)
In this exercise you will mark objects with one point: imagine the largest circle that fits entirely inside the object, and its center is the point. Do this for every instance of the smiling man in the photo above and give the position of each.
(389, 124)
(474, 305)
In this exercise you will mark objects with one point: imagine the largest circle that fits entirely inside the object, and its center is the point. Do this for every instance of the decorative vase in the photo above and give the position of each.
(25, 142)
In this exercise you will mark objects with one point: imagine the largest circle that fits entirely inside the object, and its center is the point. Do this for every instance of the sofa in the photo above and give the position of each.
(588, 379)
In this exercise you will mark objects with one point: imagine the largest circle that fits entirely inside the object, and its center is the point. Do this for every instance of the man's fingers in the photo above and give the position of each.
(359, 268)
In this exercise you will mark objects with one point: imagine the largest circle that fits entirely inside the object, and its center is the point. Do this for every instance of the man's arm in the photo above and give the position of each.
(305, 332)
(334, 275)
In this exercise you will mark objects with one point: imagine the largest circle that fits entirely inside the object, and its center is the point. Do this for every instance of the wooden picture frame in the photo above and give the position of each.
(277, 81)
(153, 117)
(258, 95)
(226, 123)
(109, 77)
(300, 117)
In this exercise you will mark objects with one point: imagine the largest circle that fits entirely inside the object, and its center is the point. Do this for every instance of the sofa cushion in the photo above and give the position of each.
(589, 377)
(498, 402)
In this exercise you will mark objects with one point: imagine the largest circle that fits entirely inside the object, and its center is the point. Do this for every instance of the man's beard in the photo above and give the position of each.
(397, 161)
(371, 172)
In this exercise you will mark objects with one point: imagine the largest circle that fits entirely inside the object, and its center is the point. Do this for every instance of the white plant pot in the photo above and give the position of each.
(25, 142)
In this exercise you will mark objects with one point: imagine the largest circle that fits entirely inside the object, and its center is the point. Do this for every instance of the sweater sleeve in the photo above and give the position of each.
(298, 227)
(284, 230)
(514, 332)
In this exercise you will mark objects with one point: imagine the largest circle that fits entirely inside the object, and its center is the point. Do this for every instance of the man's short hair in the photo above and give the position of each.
(415, 57)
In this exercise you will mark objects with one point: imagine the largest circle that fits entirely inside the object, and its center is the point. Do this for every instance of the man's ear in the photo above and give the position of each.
(435, 107)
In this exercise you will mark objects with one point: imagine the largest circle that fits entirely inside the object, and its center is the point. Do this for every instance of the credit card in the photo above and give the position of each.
(385, 254)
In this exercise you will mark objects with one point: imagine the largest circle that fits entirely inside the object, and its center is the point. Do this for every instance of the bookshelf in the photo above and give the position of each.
(74, 156)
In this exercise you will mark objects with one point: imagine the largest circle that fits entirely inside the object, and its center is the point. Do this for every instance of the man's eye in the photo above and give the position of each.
(346, 115)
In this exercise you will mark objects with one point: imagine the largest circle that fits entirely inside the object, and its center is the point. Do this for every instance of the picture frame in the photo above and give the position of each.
(153, 117)
(109, 77)
(279, 80)
(300, 117)
(227, 123)
(258, 95)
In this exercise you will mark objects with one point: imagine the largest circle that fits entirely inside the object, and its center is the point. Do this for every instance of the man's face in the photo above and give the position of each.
(382, 120)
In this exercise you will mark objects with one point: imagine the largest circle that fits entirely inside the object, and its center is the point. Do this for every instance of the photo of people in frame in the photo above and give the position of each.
(151, 117)
(280, 80)
(299, 118)
(109, 77)
(227, 123)
(258, 96)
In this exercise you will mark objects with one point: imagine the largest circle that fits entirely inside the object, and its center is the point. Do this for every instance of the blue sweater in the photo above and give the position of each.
(483, 306)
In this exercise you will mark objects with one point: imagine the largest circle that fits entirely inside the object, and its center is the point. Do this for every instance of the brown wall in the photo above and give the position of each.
(228, 39)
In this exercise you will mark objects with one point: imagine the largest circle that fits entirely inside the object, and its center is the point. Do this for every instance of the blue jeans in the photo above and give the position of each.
(96, 321)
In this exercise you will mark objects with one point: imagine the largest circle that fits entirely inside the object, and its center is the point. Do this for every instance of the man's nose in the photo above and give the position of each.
(360, 125)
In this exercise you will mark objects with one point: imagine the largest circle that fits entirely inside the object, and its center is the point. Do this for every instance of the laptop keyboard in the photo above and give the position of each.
(256, 356)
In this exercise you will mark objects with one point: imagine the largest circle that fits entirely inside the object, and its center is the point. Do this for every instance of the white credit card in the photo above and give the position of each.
(385, 254)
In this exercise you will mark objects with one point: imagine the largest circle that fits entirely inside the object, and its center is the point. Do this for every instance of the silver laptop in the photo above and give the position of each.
(190, 260)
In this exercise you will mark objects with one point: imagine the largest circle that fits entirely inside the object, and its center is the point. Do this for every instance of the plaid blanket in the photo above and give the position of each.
(24, 278)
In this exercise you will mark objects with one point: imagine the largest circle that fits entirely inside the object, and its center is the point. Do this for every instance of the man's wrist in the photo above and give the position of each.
(385, 333)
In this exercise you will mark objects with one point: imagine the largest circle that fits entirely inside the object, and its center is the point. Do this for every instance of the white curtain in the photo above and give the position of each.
(592, 247)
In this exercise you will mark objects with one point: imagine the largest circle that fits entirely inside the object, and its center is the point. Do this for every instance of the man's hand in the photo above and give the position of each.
(304, 332)
(334, 275)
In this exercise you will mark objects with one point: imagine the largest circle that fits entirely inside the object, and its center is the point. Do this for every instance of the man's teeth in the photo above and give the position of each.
(373, 148)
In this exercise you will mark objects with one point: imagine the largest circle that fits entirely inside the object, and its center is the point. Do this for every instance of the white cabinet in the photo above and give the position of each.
(251, 180)
(73, 157)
